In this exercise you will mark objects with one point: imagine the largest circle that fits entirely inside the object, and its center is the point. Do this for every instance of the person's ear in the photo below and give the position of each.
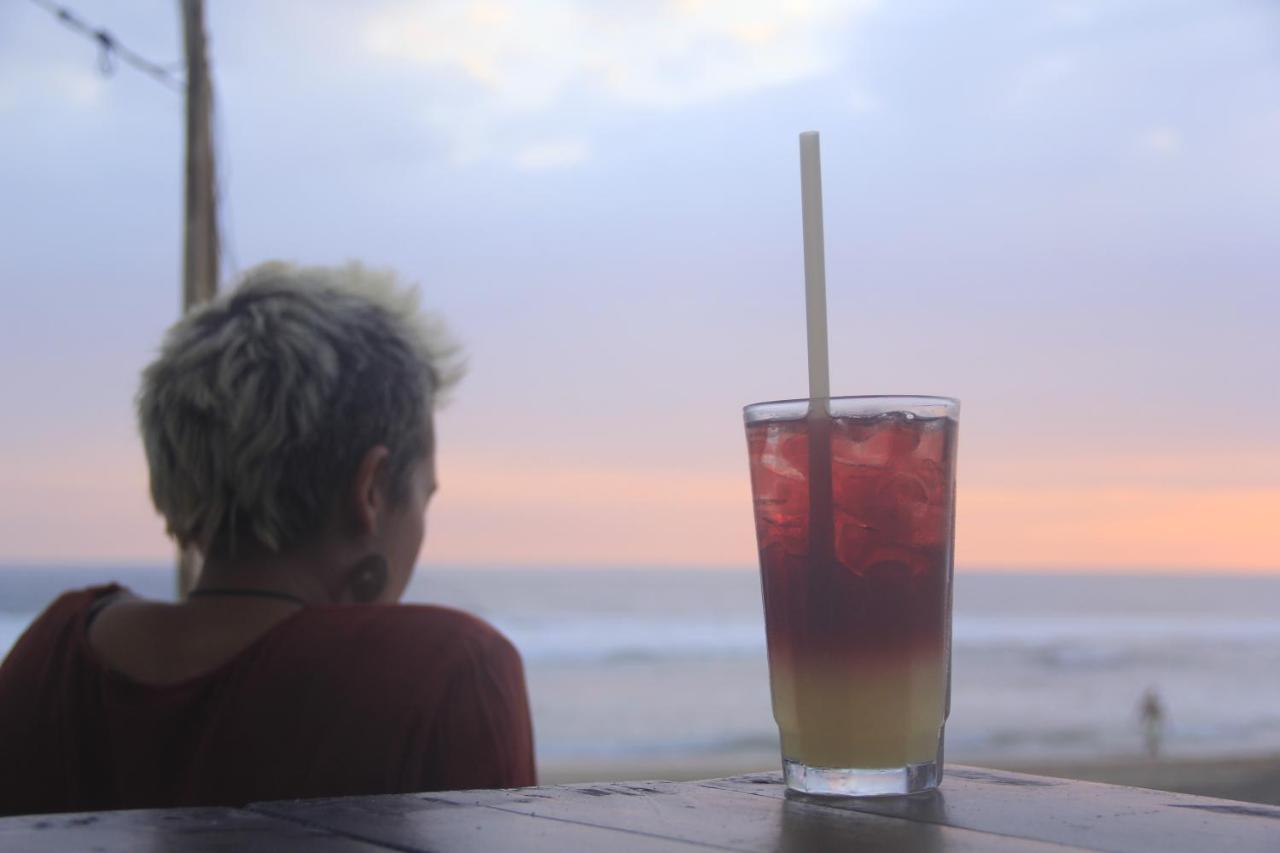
(369, 492)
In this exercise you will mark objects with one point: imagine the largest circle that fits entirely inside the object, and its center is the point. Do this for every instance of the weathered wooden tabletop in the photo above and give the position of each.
(979, 810)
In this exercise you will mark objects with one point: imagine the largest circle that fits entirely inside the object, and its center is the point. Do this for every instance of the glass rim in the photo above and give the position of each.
(893, 402)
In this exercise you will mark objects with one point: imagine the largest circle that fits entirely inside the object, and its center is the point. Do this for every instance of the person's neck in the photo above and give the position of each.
(296, 575)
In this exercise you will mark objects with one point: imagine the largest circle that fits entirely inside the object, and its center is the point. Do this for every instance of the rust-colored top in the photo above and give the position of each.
(332, 701)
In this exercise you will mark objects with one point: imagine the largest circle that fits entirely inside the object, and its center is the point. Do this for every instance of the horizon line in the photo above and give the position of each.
(1116, 570)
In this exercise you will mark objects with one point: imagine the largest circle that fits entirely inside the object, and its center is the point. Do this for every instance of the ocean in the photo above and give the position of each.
(648, 664)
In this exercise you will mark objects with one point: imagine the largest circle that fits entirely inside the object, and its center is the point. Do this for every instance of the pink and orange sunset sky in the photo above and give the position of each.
(1062, 213)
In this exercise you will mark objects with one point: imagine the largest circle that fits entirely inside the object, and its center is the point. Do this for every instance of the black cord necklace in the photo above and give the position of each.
(249, 593)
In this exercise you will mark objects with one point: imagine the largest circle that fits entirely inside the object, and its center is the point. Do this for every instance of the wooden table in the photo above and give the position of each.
(978, 810)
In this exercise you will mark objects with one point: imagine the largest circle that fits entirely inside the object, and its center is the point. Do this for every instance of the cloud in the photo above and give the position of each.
(552, 155)
(862, 102)
(1073, 14)
(507, 63)
(74, 87)
(1043, 76)
(1160, 141)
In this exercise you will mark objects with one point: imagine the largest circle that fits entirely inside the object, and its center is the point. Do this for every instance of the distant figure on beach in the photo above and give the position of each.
(289, 435)
(1151, 712)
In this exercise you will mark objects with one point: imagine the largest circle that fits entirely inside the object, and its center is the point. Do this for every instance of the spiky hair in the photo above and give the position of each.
(262, 403)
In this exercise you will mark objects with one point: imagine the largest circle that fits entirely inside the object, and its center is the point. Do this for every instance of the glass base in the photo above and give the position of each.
(862, 782)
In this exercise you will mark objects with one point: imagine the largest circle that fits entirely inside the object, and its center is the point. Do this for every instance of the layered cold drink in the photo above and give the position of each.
(854, 519)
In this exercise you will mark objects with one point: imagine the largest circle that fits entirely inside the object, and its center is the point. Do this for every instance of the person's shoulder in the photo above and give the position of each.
(424, 618)
(56, 629)
(417, 626)
(73, 604)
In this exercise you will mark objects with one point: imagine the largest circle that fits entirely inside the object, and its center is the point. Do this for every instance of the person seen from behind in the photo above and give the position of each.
(289, 435)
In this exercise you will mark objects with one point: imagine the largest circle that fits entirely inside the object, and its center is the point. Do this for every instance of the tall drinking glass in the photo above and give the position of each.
(855, 514)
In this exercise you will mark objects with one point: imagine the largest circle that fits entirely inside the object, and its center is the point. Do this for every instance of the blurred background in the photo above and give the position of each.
(1063, 213)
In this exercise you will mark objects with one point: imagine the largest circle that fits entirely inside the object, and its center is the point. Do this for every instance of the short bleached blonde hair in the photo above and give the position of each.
(262, 403)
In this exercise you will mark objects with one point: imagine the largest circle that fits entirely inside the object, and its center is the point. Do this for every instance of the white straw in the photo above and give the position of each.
(815, 268)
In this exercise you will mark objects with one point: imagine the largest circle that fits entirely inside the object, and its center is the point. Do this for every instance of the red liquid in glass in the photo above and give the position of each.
(857, 616)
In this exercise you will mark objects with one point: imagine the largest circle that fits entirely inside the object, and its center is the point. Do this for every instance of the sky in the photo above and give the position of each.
(1062, 213)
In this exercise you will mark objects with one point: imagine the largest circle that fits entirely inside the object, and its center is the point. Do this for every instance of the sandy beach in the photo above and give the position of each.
(1250, 779)
(1253, 779)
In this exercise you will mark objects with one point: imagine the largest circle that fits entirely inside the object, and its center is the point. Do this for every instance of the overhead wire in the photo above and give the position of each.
(110, 47)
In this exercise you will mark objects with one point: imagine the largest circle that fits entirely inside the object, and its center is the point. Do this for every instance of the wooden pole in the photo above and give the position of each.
(200, 232)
